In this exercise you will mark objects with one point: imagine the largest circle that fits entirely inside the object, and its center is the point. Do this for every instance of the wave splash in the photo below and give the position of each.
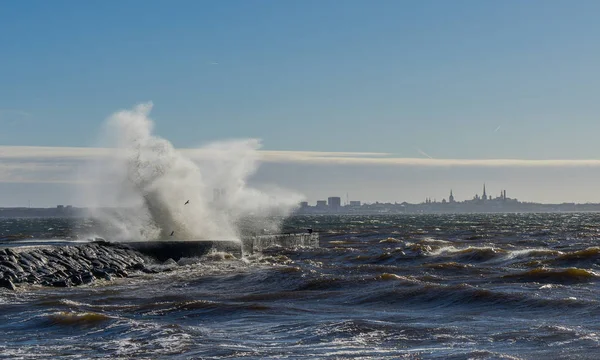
(170, 193)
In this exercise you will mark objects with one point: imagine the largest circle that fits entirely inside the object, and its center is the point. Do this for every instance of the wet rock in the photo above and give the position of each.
(101, 274)
(84, 262)
(69, 265)
(89, 254)
(7, 283)
(32, 260)
(60, 274)
(62, 283)
(44, 271)
(6, 270)
(138, 266)
(150, 270)
(8, 258)
(170, 262)
(76, 279)
(39, 256)
(87, 277)
(33, 279)
(56, 266)
(10, 252)
(26, 264)
(12, 265)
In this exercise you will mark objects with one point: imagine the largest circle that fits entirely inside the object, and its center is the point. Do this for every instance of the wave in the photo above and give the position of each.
(469, 254)
(448, 265)
(193, 194)
(529, 253)
(83, 319)
(388, 277)
(208, 305)
(559, 276)
(590, 254)
(431, 295)
(390, 240)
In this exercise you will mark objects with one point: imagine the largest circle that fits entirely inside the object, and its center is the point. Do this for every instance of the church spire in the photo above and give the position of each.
(484, 196)
(451, 197)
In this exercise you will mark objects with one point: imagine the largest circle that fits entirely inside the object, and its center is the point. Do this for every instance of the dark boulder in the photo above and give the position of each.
(7, 283)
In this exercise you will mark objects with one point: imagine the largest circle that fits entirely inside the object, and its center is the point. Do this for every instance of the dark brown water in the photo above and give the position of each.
(433, 286)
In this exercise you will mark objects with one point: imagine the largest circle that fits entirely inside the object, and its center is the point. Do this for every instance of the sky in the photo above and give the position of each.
(511, 85)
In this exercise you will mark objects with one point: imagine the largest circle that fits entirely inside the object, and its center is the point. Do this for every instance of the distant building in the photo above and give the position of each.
(354, 203)
(304, 204)
(321, 204)
(334, 202)
(451, 197)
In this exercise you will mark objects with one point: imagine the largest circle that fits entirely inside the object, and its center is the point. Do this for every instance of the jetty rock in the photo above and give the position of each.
(71, 264)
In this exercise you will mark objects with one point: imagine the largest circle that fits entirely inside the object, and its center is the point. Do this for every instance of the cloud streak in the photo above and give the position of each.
(61, 164)
(38, 156)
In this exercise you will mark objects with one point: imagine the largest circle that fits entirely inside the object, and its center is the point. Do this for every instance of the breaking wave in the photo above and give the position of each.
(183, 194)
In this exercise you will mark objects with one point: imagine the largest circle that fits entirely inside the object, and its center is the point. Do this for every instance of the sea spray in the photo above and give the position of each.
(162, 192)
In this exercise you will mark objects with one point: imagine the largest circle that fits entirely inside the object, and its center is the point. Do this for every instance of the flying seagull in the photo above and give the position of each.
(172, 232)
(187, 202)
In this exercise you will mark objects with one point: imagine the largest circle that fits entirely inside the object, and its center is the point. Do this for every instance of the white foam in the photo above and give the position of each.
(153, 180)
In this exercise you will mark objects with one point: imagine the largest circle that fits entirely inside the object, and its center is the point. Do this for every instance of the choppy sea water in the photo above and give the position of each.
(514, 286)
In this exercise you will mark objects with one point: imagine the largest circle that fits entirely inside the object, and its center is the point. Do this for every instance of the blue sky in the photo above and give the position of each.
(451, 79)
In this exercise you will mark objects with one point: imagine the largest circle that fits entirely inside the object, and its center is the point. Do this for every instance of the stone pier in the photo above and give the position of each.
(67, 264)
(259, 243)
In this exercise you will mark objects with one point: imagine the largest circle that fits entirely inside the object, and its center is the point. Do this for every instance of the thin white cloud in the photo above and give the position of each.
(16, 152)
(30, 173)
(498, 128)
(60, 164)
(49, 152)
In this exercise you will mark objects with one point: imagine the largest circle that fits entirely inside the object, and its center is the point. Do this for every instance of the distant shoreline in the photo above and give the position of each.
(366, 209)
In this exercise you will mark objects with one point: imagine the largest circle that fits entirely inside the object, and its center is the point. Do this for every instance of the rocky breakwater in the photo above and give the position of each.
(63, 266)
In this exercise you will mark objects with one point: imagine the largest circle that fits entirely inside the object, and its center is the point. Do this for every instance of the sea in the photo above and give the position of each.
(470, 286)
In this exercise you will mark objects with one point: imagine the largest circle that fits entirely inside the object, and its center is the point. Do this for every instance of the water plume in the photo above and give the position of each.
(151, 182)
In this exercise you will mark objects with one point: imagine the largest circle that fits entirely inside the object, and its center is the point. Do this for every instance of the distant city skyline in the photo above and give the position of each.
(483, 203)
(344, 200)
(485, 196)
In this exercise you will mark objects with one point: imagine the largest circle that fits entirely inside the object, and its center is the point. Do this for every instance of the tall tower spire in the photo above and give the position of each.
(451, 197)
(484, 196)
